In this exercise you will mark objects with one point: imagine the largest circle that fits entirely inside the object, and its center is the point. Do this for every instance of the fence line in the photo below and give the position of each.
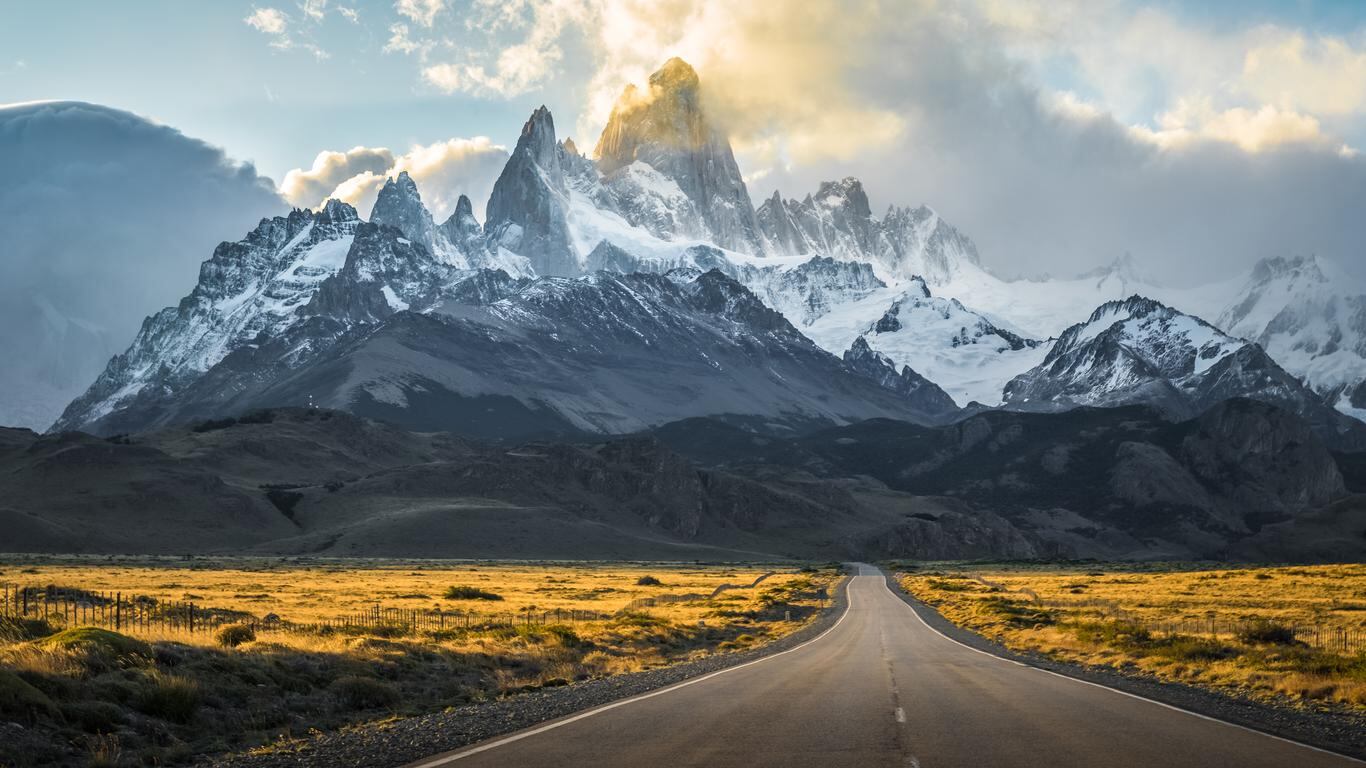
(688, 597)
(139, 613)
(1346, 640)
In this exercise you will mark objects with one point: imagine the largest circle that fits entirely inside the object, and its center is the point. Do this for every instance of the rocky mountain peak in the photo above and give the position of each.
(400, 206)
(527, 212)
(847, 195)
(668, 128)
(337, 212)
(675, 75)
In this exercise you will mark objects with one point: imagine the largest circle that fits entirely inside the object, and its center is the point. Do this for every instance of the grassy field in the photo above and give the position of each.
(1295, 634)
(160, 696)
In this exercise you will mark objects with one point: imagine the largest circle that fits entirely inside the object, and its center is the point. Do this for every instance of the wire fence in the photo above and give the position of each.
(688, 597)
(1335, 639)
(72, 607)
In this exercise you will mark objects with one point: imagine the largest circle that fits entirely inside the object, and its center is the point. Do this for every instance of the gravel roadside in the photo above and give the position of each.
(398, 742)
(1334, 730)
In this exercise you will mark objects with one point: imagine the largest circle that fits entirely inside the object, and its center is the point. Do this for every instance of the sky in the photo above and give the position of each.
(1060, 135)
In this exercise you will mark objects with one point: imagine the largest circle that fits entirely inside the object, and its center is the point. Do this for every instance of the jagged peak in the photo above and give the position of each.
(570, 147)
(847, 192)
(463, 208)
(1134, 306)
(1279, 266)
(337, 211)
(676, 74)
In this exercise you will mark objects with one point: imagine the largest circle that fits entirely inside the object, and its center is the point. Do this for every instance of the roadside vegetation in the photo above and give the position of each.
(82, 695)
(1292, 635)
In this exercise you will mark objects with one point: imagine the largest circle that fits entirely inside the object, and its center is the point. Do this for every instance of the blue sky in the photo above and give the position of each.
(198, 67)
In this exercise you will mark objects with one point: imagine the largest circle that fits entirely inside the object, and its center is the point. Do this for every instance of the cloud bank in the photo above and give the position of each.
(107, 217)
(443, 171)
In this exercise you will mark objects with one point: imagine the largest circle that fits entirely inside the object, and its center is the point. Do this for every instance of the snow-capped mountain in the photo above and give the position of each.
(403, 316)
(955, 347)
(1142, 351)
(603, 354)
(662, 141)
(1311, 317)
(838, 221)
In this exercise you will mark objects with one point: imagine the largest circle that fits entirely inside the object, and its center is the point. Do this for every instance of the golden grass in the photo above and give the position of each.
(1156, 619)
(213, 697)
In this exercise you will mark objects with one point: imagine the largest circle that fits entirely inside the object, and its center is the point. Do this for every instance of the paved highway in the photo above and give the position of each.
(881, 688)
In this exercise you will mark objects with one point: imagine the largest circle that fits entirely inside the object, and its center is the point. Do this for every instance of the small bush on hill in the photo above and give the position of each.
(1267, 633)
(359, 692)
(470, 593)
(648, 581)
(169, 697)
(234, 635)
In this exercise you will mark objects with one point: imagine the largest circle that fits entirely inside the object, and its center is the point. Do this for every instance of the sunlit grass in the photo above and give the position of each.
(1157, 619)
(210, 695)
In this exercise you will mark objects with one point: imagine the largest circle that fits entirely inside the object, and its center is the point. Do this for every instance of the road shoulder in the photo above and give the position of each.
(1333, 731)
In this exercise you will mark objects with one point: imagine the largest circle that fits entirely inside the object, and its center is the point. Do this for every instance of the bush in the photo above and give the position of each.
(1267, 633)
(101, 648)
(648, 581)
(17, 630)
(364, 692)
(169, 697)
(94, 716)
(470, 593)
(21, 701)
(234, 635)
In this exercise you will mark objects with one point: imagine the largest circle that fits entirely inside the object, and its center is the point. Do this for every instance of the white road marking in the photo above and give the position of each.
(1174, 708)
(433, 763)
(900, 715)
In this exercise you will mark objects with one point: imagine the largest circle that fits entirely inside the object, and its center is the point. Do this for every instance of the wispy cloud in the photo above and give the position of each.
(423, 12)
(278, 25)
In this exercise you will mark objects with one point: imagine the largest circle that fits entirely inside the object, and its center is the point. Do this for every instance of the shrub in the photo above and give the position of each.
(648, 581)
(1266, 632)
(234, 635)
(21, 701)
(364, 692)
(94, 716)
(16, 630)
(101, 649)
(950, 586)
(470, 593)
(169, 697)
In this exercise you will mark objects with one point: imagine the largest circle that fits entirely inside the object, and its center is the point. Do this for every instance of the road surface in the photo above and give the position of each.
(881, 688)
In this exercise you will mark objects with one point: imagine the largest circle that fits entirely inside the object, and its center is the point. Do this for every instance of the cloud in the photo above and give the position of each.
(1325, 75)
(108, 217)
(1250, 130)
(269, 21)
(443, 171)
(511, 68)
(275, 24)
(421, 11)
(307, 188)
(314, 9)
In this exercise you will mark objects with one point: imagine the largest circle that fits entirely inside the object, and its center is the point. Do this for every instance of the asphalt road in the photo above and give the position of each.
(881, 688)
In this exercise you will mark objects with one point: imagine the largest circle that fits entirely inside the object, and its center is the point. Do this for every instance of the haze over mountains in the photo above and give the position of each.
(628, 291)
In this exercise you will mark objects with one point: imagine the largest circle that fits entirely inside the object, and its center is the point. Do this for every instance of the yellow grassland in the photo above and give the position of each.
(1154, 619)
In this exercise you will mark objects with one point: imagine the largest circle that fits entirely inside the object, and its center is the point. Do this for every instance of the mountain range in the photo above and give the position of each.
(640, 288)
